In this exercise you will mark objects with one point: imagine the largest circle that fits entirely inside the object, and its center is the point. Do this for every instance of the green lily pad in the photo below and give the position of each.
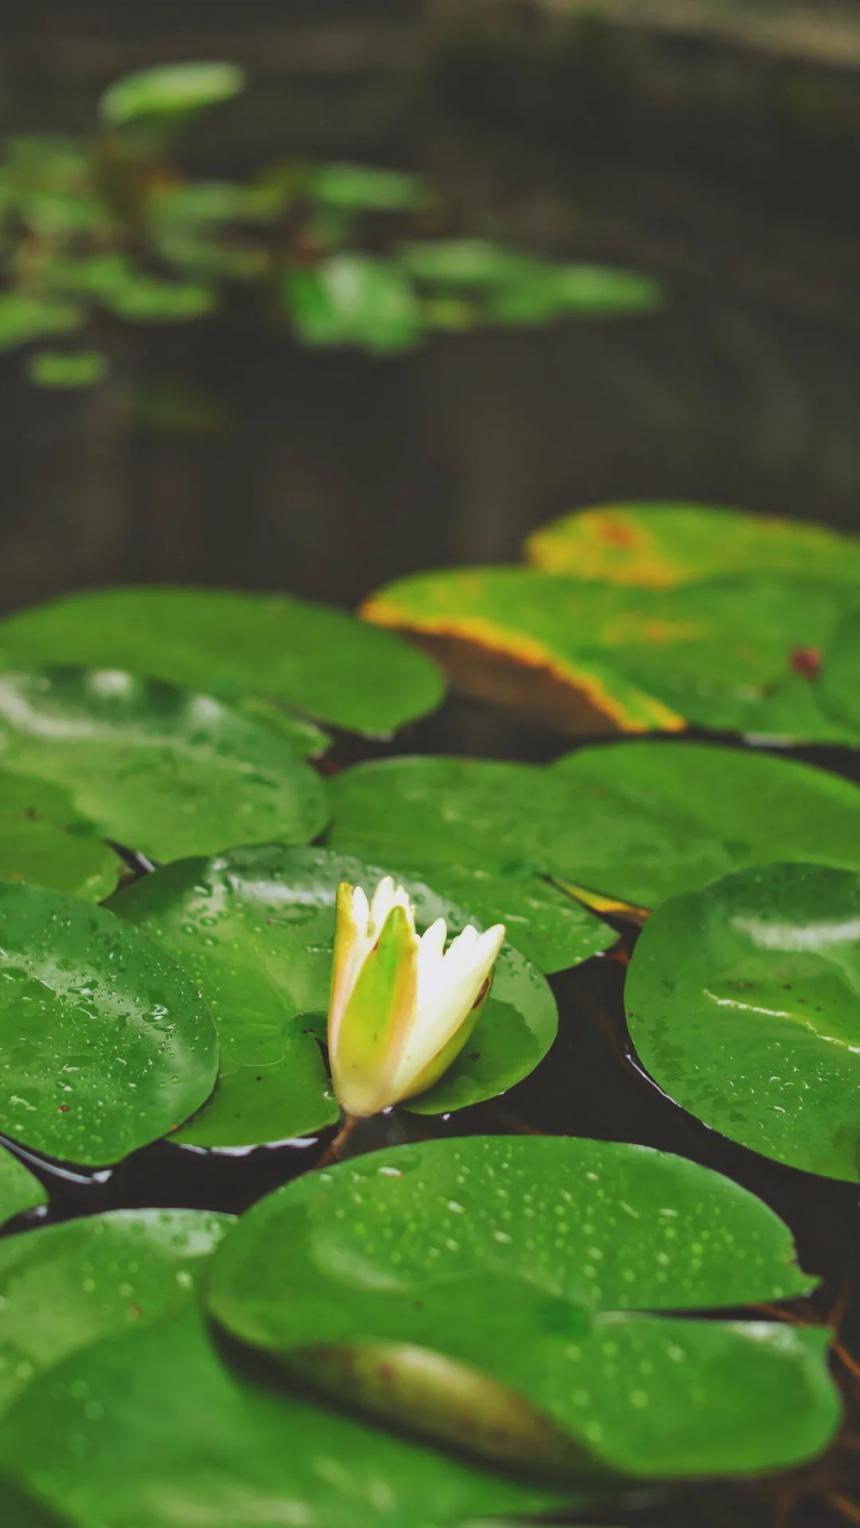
(158, 768)
(31, 318)
(65, 1286)
(156, 1427)
(20, 1510)
(67, 368)
(414, 1280)
(43, 840)
(19, 1189)
(406, 814)
(743, 1001)
(732, 654)
(840, 690)
(254, 928)
(320, 661)
(353, 300)
(544, 292)
(630, 822)
(105, 1044)
(170, 91)
(661, 545)
(147, 299)
(366, 188)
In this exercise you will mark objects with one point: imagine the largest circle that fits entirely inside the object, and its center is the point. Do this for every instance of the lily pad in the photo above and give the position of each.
(67, 368)
(156, 1427)
(254, 928)
(630, 823)
(168, 91)
(19, 1189)
(661, 545)
(840, 689)
(320, 661)
(366, 188)
(353, 300)
(743, 1001)
(418, 1280)
(156, 767)
(65, 1286)
(732, 654)
(43, 840)
(105, 1044)
(25, 318)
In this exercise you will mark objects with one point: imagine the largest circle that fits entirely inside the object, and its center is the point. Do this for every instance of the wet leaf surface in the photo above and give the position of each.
(320, 661)
(158, 1427)
(743, 1002)
(19, 1189)
(160, 769)
(633, 821)
(254, 929)
(535, 1267)
(45, 841)
(105, 1044)
(67, 1285)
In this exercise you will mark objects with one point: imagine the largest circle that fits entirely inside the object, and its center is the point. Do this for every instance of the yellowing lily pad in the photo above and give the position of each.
(660, 545)
(733, 654)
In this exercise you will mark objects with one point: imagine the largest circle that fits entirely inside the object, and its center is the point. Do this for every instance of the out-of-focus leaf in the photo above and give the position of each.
(170, 91)
(67, 368)
(363, 188)
(24, 318)
(661, 545)
(353, 300)
(728, 654)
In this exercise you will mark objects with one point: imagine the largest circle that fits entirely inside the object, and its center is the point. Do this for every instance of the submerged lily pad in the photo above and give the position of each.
(631, 822)
(419, 1280)
(65, 1286)
(158, 768)
(733, 654)
(19, 1189)
(105, 1043)
(661, 545)
(320, 661)
(254, 928)
(157, 1427)
(43, 840)
(743, 1001)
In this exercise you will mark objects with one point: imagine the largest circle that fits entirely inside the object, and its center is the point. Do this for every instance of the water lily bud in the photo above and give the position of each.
(401, 1007)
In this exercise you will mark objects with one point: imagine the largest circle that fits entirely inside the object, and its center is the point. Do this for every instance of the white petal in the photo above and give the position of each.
(361, 909)
(447, 992)
(382, 902)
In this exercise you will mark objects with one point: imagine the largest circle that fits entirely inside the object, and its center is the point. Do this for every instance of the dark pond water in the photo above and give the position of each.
(225, 453)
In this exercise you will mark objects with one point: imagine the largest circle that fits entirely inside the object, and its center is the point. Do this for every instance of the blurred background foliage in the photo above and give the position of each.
(332, 326)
